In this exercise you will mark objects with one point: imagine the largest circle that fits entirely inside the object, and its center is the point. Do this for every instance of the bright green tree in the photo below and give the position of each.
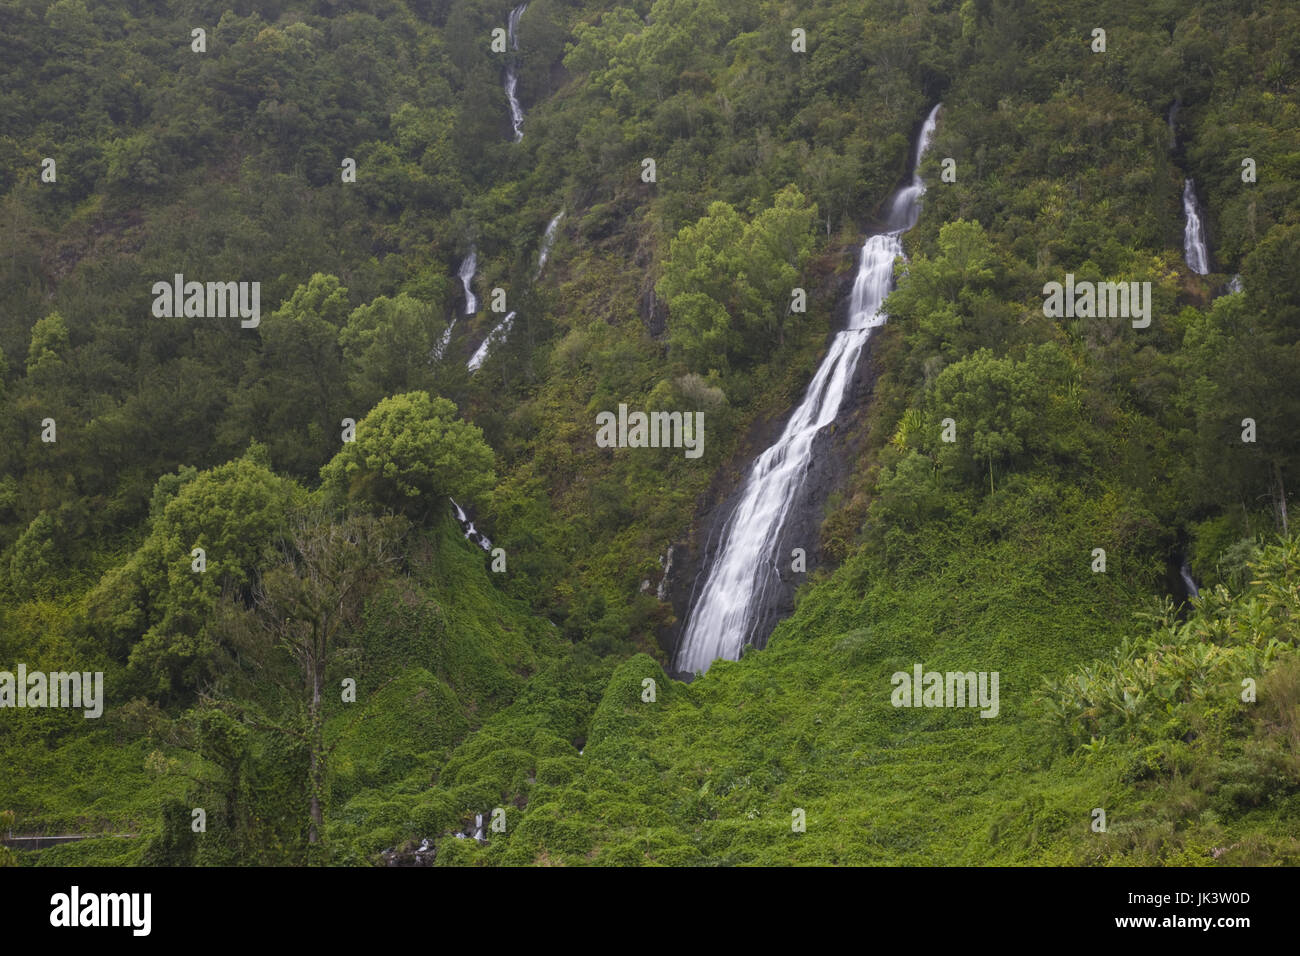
(388, 347)
(411, 452)
(160, 601)
(728, 283)
(49, 343)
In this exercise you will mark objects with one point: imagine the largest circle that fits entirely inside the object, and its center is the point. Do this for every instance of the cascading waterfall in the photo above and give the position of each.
(496, 335)
(1194, 251)
(499, 333)
(467, 270)
(724, 616)
(548, 240)
(441, 347)
(512, 72)
(467, 526)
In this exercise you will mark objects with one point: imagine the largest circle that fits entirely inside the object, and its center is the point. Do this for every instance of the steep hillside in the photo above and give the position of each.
(475, 227)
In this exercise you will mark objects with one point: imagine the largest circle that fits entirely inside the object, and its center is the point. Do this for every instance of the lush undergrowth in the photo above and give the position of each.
(710, 773)
(299, 642)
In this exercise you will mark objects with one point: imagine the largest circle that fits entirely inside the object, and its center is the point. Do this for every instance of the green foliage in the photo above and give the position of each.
(1150, 685)
(157, 604)
(728, 282)
(48, 346)
(298, 368)
(388, 347)
(478, 689)
(410, 454)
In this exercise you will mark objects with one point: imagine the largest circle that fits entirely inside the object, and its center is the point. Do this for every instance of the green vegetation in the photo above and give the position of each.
(298, 640)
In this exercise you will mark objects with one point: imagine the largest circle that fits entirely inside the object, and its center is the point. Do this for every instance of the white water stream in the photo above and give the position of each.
(512, 72)
(743, 569)
(1194, 250)
(467, 269)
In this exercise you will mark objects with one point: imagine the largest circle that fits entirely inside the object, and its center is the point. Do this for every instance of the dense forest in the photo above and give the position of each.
(476, 225)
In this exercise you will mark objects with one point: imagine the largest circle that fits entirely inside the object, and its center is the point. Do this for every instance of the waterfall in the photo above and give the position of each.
(499, 333)
(467, 269)
(548, 239)
(496, 335)
(512, 71)
(441, 347)
(724, 616)
(471, 533)
(1194, 251)
(1185, 572)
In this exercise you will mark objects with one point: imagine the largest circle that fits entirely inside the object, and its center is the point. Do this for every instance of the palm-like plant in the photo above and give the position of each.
(1182, 662)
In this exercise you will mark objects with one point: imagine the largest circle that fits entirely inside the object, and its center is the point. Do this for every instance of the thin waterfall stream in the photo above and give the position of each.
(1194, 248)
(1197, 256)
(499, 333)
(467, 269)
(512, 72)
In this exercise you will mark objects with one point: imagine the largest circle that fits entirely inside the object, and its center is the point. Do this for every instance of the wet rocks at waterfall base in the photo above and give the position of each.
(424, 852)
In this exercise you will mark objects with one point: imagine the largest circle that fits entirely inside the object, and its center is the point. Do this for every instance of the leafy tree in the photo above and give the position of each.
(291, 395)
(388, 347)
(910, 493)
(728, 283)
(158, 604)
(305, 609)
(1001, 409)
(49, 345)
(946, 303)
(35, 557)
(410, 454)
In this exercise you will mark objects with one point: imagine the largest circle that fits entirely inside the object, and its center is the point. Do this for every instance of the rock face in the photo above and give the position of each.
(653, 311)
(410, 853)
(425, 851)
(834, 450)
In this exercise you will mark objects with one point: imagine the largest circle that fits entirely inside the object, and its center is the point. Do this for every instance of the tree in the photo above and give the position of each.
(727, 282)
(1002, 408)
(291, 393)
(908, 492)
(305, 607)
(410, 453)
(49, 345)
(388, 347)
(946, 304)
(159, 602)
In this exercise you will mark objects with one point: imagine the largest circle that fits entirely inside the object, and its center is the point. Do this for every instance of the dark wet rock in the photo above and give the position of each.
(412, 853)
